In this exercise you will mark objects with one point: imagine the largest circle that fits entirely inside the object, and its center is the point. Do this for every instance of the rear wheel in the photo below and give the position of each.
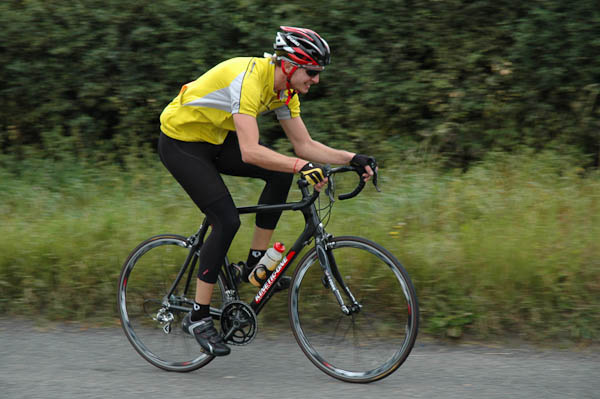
(152, 322)
(377, 337)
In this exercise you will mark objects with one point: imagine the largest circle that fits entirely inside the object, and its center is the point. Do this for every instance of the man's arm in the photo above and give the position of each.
(256, 154)
(304, 146)
(307, 148)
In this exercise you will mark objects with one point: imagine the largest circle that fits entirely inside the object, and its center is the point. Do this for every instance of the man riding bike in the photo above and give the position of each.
(210, 128)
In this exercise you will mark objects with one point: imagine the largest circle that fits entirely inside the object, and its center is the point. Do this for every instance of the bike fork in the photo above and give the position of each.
(332, 274)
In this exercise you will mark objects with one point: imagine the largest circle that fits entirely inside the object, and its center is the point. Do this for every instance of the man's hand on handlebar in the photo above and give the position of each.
(314, 174)
(367, 163)
(364, 165)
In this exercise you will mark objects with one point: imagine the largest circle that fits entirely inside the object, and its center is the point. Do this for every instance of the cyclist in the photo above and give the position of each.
(210, 128)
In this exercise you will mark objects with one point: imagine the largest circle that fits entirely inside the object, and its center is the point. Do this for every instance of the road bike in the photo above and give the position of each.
(352, 306)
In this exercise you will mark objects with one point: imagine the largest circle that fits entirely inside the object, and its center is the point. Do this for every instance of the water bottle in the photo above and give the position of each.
(272, 257)
(266, 264)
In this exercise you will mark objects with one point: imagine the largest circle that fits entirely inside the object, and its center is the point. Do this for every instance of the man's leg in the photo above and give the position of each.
(224, 219)
(261, 238)
(204, 292)
(275, 192)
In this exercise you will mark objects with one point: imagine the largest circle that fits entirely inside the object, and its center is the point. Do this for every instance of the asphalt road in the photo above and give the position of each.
(71, 362)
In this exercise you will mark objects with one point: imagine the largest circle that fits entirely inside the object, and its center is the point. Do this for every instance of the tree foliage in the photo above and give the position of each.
(456, 77)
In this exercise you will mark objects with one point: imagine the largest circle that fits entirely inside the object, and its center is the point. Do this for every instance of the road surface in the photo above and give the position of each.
(71, 362)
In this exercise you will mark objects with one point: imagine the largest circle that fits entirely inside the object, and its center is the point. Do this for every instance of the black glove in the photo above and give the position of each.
(312, 173)
(361, 161)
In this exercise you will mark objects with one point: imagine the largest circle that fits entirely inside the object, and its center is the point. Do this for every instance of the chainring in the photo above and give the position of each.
(238, 323)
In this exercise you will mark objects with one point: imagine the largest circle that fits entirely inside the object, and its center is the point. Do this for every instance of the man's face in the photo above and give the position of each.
(302, 79)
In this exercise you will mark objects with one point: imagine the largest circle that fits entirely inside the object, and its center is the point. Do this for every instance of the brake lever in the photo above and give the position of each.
(374, 168)
(330, 189)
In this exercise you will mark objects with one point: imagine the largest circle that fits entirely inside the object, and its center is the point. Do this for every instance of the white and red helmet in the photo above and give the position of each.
(302, 47)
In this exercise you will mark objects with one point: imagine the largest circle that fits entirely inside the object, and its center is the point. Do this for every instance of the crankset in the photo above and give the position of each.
(238, 323)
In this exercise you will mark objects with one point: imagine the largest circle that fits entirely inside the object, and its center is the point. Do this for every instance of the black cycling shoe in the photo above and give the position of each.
(241, 272)
(206, 334)
(283, 284)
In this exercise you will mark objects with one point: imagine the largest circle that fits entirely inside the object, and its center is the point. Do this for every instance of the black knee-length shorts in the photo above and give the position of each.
(197, 167)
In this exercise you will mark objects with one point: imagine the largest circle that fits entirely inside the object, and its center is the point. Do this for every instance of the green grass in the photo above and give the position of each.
(509, 248)
(512, 246)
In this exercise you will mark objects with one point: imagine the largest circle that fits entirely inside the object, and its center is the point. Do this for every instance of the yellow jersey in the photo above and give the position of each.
(203, 110)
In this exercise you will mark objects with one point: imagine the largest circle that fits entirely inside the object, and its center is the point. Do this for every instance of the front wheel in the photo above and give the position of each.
(151, 321)
(377, 336)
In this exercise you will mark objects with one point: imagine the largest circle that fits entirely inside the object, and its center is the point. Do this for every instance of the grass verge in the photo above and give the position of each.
(511, 247)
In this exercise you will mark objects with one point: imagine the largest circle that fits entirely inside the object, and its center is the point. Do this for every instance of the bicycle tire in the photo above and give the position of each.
(145, 279)
(368, 345)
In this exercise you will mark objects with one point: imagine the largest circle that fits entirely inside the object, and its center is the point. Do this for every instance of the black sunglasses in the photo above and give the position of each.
(312, 72)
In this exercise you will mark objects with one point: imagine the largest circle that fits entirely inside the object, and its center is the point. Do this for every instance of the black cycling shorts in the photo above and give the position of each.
(198, 166)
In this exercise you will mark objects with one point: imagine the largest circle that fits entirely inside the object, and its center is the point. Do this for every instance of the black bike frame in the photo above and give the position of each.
(312, 223)
(306, 205)
(312, 229)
